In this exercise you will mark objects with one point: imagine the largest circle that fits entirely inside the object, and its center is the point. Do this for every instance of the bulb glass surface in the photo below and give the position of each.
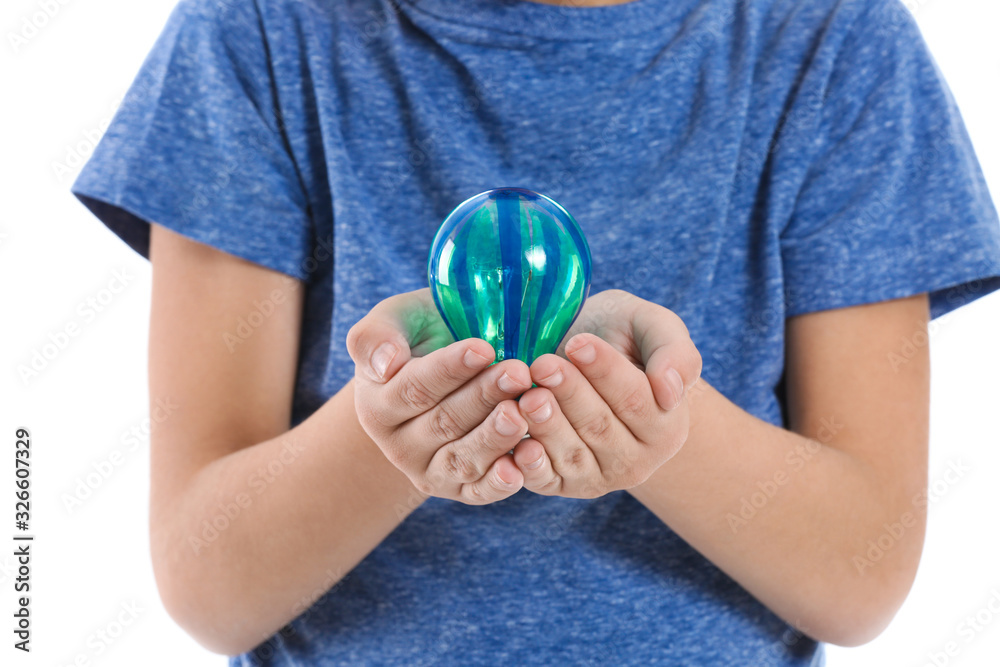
(510, 266)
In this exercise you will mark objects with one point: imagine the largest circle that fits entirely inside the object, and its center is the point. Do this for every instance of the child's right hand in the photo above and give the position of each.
(430, 406)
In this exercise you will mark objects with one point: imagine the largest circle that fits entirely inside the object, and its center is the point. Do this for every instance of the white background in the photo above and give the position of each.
(91, 561)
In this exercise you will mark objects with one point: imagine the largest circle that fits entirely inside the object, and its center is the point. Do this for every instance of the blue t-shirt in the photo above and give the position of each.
(737, 161)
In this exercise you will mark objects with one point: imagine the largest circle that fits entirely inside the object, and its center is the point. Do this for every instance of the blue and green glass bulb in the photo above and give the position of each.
(510, 266)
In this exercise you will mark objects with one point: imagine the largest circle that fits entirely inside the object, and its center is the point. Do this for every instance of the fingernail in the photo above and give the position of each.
(507, 384)
(541, 414)
(535, 464)
(505, 425)
(473, 359)
(585, 354)
(552, 380)
(676, 386)
(502, 481)
(381, 359)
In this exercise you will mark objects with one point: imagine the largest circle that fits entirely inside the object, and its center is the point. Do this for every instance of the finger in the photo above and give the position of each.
(588, 413)
(536, 468)
(378, 348)
(672, 361)
(549, 432)
(468, 459)
(466, 407)
(568, 457)
(622, 386)
(493, 487)
(381, 341)
(424, 381)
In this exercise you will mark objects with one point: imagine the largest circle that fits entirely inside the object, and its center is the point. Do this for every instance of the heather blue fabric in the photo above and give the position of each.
(739, 162)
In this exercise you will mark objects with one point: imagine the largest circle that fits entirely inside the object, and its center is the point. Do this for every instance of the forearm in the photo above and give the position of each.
(258, 535)
(789, 517)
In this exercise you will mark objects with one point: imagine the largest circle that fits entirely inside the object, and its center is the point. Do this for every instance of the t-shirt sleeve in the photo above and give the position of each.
(895, 202)
(198, 145)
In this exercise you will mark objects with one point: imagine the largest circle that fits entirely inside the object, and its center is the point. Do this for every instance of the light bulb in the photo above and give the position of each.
(510, 266)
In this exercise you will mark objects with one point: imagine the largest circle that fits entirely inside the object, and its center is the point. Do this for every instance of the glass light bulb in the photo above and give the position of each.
(510, 266)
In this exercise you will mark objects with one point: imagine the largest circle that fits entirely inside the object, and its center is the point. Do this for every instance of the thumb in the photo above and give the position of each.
(377, 347)
(379, 344)
(672, 361)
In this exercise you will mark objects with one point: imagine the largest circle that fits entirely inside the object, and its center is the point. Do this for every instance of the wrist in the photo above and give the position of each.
(702, 401)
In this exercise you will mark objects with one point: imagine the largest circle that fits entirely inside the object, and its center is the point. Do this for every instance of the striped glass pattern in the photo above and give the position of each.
(510, 266)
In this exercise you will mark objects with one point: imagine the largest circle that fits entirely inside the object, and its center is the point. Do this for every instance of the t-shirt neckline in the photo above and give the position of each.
(554, 22)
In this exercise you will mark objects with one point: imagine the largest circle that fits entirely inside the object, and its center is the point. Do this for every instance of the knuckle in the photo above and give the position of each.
(369, 416)
(602, 370)
(443, 425)
(570, 390)
(438, 481)
(433, 481)
(457, 465)
(415, 395)
(360, 339)
(424, 486)
(634, 405)
(676, 321)
(596, 429)
(678, 434)
(488, 394)
(551, 486)
(452, 372)
(629, 477)
(590, 491)
(574, 459)
(354, 338)
(476, 495)
(497, 488)
(401, 457)
(697, 363)
(642, 476)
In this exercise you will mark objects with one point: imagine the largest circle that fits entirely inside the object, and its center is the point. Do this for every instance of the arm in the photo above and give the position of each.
(335, 498)
(851, 468)
(853, 463)
(250, 521)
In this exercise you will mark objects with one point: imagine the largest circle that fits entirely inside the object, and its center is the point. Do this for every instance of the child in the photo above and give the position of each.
(777, 195)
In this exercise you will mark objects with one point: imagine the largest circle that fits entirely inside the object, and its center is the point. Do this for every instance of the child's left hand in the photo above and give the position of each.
(619, 411)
